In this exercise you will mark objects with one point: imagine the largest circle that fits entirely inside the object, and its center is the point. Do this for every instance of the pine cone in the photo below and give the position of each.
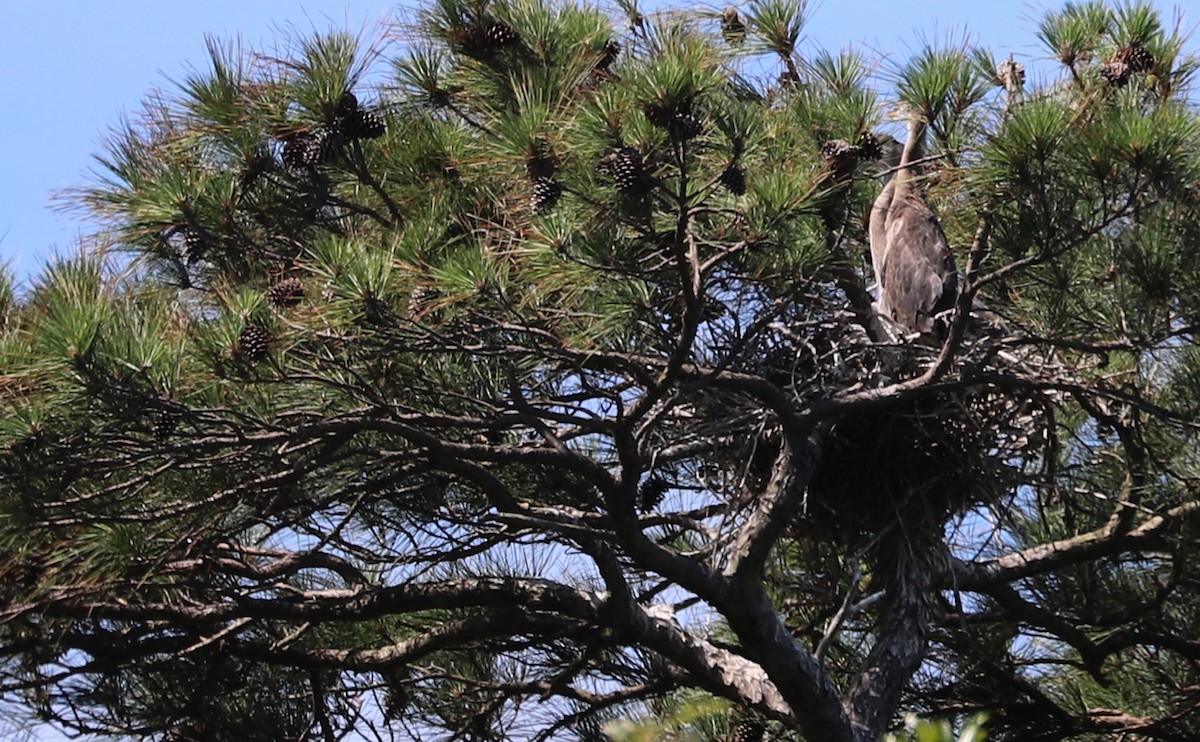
(680, 122)
(500, 35)
(364, 125)
(1011, 74)
(295, 151)
(610, 52)
(308, 149)
(868, 146)
(164, 423)
(327, 145)
(840, 156)
(286, 293)
(195, 244)
(545, 194)
(252, 342)
(1115, 73)
(1137, 57)
(684, 126)
(733, 178)
(651, 493)
(748, 730)
(624, 165)
(347, 105)
(733, 28)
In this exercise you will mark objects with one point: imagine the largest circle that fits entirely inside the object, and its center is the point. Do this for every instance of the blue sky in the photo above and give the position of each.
(71, 67)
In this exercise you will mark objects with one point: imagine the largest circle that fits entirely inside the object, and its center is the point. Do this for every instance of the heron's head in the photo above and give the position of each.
(903, 112)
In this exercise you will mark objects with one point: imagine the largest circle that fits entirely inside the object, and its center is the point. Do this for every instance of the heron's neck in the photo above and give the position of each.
(913, 150)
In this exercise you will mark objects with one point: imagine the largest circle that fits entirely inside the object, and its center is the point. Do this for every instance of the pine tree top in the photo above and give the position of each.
(526, 353)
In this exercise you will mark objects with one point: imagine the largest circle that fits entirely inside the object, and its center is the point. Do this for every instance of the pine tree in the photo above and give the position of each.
(528, 376)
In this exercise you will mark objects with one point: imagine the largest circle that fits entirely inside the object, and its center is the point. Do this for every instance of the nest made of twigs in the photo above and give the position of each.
(915, 462)
(919, 462)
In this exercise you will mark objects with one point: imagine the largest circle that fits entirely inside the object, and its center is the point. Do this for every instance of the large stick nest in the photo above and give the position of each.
(922, 459)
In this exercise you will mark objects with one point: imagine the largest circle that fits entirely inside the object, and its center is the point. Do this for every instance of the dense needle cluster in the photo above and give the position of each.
(423, 301)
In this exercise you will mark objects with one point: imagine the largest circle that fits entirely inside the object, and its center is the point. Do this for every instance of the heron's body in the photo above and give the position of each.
(919, 276)
(914, 267)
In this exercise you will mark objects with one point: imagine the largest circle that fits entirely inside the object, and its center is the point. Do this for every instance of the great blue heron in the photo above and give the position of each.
(914, 268)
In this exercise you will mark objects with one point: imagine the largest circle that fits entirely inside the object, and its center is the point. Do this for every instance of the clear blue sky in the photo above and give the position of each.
(71, 67)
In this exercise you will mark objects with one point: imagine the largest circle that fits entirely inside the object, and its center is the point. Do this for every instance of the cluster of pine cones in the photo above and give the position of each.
(679, 120)
(1128, 61)
(842, 157)
(486, 39)
(322, 144)
(627, 169)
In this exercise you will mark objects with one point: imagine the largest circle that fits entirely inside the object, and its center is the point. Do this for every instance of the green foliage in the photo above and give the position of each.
(352, 415)
(1072, 34)
(777, 24)
(924, 730)
(691, 718)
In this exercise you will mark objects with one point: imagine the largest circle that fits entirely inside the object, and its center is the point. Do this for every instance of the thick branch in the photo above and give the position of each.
(793, 670)
(901, 637)
(1108, 540)
(334, 605)
(774, 509)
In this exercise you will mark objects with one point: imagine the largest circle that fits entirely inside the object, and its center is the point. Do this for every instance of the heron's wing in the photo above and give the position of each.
(919, 275)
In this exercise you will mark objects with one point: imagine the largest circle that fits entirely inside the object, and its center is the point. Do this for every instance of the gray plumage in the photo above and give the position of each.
(914, 267)
(878, 237)
(919, 278)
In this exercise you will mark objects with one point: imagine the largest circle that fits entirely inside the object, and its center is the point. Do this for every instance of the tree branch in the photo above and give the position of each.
(1108, 540)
